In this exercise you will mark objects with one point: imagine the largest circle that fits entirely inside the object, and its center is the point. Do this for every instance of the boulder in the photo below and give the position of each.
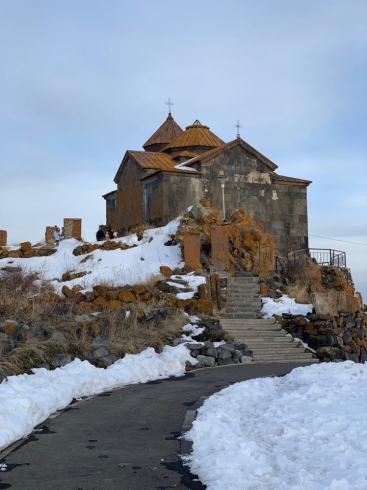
(61, 360)
(67, 292)
(236, 355)
(127, 297)
(166, 271)
(100, 352)
(245, 359)
(99, 304)
(98, 341)
(113, 304)
(212, 352)
(317, 341)
(224, 353)
(100, 291)
(205, 361)
(57, 335)
(225, 362)
(108, 360)
(330, 353)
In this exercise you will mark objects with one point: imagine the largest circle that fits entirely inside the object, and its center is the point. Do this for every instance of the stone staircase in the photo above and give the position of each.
(265, 338)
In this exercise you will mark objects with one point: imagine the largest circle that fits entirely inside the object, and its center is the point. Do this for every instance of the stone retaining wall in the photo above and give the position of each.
(334, 338)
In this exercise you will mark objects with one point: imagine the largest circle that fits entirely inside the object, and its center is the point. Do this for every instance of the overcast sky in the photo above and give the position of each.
(83, 81)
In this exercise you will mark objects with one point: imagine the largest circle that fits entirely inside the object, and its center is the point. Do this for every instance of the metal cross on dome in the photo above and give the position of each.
(169, 103)
(238, 126)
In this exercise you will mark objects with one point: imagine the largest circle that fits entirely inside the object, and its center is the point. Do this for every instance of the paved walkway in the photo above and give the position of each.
(125, 440)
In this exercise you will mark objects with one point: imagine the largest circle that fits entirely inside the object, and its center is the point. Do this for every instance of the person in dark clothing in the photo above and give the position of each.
(100, 235)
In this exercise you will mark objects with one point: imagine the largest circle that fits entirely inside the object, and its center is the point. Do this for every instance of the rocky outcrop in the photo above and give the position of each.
(88, 248)
(250, 249)
(26, 251)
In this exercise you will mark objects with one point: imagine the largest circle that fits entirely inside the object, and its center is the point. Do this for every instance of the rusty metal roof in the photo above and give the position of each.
(183, 153)
(146, 159)
(165, 134)
(195, 135)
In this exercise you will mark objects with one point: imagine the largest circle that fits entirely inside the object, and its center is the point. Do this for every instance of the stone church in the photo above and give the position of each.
(179, 168)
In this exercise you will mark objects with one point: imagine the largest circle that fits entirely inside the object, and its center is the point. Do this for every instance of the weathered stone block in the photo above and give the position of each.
(332, 301)
(25, 246)
(49, 235)
(192, 249)
(73, 228)
(219, 241)
(3, 238)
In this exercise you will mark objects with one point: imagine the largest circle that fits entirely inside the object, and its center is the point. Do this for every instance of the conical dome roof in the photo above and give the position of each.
(164, 135)
(196, 135)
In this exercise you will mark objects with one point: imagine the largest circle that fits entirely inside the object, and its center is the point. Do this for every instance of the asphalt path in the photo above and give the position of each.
(127, 439)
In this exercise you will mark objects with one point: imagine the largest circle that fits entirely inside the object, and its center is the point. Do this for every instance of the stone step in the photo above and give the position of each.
(278, 350)
(294, 355)
(244, 287)
(243, 307)
(259, 343)
(247, 274)
(257, 336)
(243, 315)
(258, 329)
(237, 280)
(262, 321)
(243, 297)
(287, 361)
(243, 292)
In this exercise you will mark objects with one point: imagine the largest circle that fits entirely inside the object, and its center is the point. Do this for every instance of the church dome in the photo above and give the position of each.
(164, 135)
(197, 138)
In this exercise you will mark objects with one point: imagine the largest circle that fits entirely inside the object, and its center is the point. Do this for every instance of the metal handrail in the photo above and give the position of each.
(322, 256)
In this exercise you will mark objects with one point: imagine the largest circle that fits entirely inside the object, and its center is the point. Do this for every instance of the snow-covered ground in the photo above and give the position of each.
(284, 305)
(28, 400)
(305, 431)
(110, 267)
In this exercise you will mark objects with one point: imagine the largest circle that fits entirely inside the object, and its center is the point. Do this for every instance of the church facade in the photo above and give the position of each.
(179, 168)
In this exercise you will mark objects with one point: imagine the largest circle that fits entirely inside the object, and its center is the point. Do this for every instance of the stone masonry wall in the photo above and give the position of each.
(334, 338)
(281, 210)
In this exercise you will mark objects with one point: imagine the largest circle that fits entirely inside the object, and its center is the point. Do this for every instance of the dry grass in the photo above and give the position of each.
(304, 279)
(133, 336)
(30, 354)
(149, 325)
(16, 287)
